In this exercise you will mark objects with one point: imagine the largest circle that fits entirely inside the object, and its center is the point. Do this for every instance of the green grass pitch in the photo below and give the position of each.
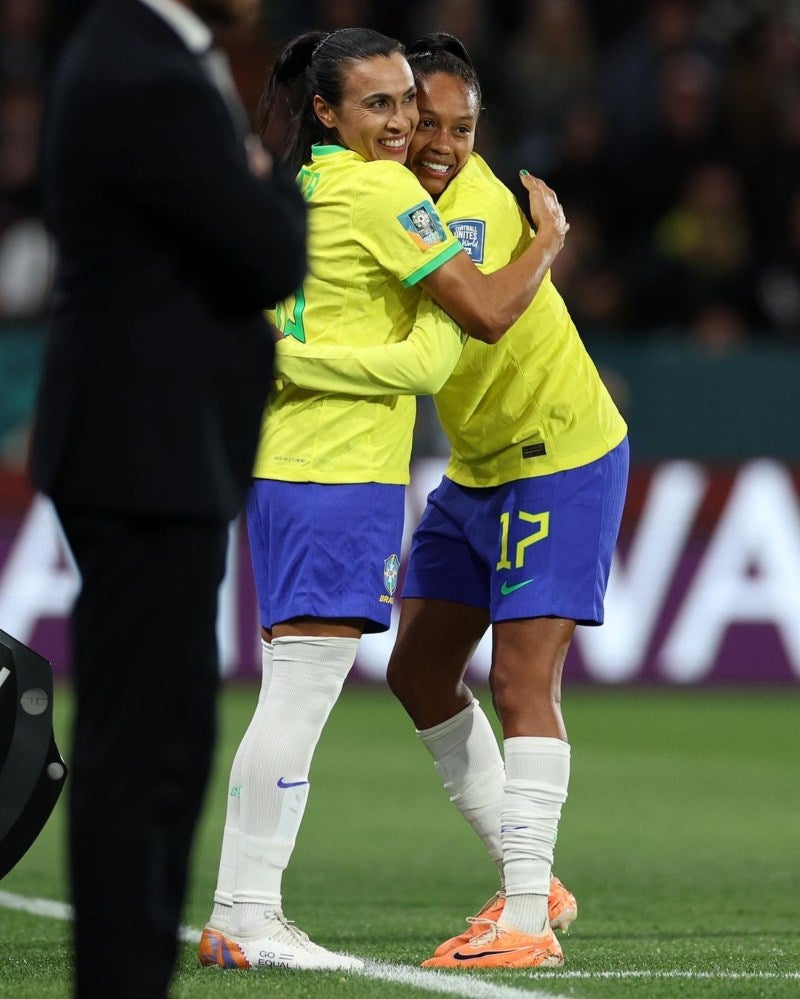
(681, 839)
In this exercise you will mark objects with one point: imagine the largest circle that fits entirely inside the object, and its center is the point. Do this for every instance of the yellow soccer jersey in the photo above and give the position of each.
(373, 235)
(533, 403)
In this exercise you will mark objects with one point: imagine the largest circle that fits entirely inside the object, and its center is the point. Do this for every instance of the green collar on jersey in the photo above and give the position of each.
(320, 149)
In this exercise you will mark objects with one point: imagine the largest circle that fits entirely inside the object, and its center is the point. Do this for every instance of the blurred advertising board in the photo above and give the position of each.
(705, 587)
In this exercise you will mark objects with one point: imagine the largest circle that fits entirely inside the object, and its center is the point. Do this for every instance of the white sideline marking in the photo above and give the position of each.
(727, 976)
(61, 910)
(466, 986)
(36, 906)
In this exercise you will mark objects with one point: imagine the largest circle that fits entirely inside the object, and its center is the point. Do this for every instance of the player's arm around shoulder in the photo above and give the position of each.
(418, 365)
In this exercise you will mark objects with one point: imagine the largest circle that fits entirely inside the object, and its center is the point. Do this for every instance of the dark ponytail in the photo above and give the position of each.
(440, 52)
(314, 63)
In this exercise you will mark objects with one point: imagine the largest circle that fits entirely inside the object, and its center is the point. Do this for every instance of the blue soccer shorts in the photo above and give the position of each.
(533, 547)
(325, 550)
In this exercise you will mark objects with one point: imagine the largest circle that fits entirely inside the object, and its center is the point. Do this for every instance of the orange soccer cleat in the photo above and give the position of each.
(489, 912)
(562, 911)
(502, 947)
(562, 906)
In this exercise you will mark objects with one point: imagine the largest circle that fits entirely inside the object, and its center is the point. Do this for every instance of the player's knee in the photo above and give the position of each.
(515, 693)
(503, 693)
(401, 683)
(418, 690)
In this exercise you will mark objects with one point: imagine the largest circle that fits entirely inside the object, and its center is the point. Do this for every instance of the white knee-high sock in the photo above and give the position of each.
(307, 676)
(537, 777)
(467, 758)
(223, 896)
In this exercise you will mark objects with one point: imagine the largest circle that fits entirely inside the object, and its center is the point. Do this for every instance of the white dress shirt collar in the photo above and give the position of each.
(184, 22)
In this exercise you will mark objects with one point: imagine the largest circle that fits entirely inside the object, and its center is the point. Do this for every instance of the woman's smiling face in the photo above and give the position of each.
(378, 112)
(445, 136)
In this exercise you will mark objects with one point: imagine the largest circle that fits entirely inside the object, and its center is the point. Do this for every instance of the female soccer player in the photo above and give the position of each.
(519, 535)
(326, 509)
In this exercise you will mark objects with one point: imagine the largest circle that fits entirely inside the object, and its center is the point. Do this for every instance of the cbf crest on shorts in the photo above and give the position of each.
(471, 233)
(423, 225)
(391, 566)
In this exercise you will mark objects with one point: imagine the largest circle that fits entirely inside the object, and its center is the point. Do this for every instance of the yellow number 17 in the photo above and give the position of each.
(542, 519)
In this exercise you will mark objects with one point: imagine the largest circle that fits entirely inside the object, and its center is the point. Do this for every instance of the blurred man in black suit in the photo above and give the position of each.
(159, 361)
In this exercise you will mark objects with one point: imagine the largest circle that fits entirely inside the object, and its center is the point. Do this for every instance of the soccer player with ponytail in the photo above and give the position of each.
(518, 537)
(325, 513)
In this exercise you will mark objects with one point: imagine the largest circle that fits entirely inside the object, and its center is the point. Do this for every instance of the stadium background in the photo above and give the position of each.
(671, 132)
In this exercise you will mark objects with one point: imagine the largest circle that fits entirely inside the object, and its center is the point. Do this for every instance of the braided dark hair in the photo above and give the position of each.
(314, 63)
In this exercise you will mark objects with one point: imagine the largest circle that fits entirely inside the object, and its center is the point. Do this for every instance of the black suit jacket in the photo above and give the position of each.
(159, 360)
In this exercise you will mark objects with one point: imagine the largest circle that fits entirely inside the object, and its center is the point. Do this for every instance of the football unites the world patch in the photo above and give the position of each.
(471, 233)
(423, 225)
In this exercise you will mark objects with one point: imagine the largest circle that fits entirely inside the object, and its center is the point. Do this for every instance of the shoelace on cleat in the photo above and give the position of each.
(292, 931)
(475, 920)
(489, 935)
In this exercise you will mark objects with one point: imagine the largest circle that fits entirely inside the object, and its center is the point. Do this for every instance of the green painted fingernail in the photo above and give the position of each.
(523, 173)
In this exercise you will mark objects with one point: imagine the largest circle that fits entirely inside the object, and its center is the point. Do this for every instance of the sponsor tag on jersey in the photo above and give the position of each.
(471, 233)
(423, 225)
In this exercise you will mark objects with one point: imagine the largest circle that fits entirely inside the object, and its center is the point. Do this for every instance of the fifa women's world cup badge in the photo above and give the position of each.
(391, 567)
(423, 225)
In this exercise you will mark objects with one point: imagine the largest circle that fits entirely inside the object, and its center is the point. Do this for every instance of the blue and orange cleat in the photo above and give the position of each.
(216, 949)
(281, 947)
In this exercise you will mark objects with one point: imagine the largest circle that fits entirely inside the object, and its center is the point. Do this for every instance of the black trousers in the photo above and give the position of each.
(145, 679)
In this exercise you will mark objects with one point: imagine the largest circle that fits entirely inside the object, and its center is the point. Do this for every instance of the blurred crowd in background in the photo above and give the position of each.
(669, 129)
